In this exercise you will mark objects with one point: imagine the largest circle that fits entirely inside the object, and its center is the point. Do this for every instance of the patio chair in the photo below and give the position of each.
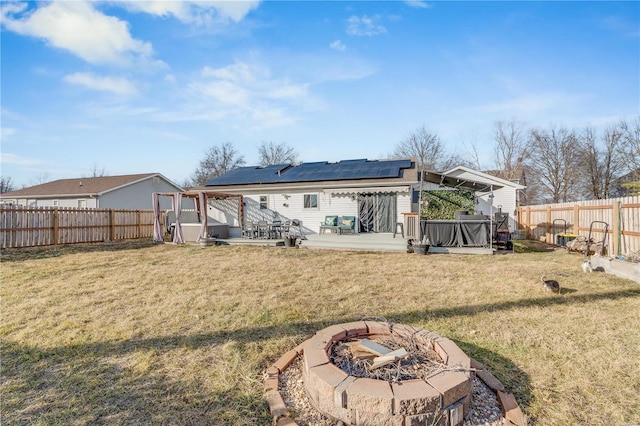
(347, 224)
(263, 229)
(250, 230)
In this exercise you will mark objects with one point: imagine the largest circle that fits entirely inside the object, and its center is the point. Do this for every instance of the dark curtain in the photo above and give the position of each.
(377, 212)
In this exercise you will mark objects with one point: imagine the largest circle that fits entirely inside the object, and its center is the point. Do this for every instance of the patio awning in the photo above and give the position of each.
(459, 183)
(368, 190)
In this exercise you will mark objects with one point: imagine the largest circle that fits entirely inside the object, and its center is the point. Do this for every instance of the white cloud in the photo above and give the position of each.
(7, 158)
(532, 104)
(248, 92)
(77, 27)
(338, 45)
(365, 26)
(6, 132)
(195, 12)
(117, 85)
(419, 4)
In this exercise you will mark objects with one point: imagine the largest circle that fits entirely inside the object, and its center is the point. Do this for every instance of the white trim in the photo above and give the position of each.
(483, 177)
(367, 189)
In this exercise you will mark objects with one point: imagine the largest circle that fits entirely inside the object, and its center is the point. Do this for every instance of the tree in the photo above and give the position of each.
(555, 164)
(218, 160)
(97, 171)
(272, 153)
(6, 184)
(428, 149)
(631, 143)
(601, 163)
(41, 178)
(512, 148)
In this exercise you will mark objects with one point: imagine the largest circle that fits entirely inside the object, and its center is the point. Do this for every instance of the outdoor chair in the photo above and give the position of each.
(347, 224)
(250, 230)
(263, 229)
(330, 223)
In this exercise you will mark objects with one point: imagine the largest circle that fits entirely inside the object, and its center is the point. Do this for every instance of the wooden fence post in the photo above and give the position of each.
(527, 233)
(140, 223)
(548, 227)
(576, 219)
(112, 225)
(56, 227)
(616, 227)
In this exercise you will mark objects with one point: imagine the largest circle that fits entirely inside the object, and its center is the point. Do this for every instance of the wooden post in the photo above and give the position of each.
(56, 227)
(527, 233)
(548, 227)
(576, 219)
(112, 225)
(139, 223)
(615, 228)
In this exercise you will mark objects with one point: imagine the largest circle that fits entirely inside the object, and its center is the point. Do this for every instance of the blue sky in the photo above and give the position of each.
(136, 87)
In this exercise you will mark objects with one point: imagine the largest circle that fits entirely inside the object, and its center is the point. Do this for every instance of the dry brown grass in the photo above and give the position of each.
(164, 334)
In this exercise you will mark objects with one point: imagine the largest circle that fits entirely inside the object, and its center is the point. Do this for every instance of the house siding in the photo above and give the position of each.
(285, 204)
(138, 196)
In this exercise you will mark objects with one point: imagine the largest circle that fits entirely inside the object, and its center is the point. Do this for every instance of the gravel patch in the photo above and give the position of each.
(485, 409)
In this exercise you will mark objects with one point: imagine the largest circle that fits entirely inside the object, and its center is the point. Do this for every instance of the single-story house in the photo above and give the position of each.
(132, 192)
(375, 192)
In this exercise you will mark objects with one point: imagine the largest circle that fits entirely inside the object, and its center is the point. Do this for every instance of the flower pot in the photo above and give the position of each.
(421, 248)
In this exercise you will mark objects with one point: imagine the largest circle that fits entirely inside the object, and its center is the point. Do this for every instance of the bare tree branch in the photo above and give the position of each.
(426, 148)
(218, 160)
(6, 184)
(272, 153)
(512, 148)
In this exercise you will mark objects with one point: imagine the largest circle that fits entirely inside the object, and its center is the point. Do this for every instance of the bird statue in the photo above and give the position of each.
(550, 285)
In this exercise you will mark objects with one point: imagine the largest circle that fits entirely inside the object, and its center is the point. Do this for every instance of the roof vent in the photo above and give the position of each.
(80, 183)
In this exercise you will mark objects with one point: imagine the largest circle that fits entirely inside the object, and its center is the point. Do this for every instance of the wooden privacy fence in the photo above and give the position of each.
(622, 215)
(43, 226)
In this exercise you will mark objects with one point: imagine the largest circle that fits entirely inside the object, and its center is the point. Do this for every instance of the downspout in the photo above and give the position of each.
(420, 209)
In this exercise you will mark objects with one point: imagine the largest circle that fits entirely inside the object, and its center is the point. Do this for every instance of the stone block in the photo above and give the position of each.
(510, 409)
(340, 393)
(355, 328)
(276, 404)
(324, 379)
(412, 397)
(370, 395)
(286, 421)
(285, 360)
(477, 364)
(432, 419)
(404, 331)
(378, 328)
(314, 357)
(333, 333)
(271, 383)
(365, 418)
(455, 355)
(453, 385)
(490, 380)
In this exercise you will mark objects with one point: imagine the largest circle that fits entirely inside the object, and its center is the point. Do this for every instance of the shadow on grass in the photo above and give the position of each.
(94, 385)
(32, 253)
(99, 383)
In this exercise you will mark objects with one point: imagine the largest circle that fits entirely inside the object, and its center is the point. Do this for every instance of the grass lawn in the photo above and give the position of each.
(135, 333)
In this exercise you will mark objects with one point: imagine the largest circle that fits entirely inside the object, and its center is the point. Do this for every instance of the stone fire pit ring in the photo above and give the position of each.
(442, 399)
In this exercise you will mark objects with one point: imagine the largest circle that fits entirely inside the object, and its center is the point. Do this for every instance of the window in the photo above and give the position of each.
(310, 201)
(263, 202)
(55, 203)
(82, 204)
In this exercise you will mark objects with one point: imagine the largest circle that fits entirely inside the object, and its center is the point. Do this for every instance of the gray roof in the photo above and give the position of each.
(78, 186)
(314, 172)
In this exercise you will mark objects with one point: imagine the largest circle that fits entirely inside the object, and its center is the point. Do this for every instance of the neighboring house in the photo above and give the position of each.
(506, 193)
(626, 185)
(375, 192)
(108, 192)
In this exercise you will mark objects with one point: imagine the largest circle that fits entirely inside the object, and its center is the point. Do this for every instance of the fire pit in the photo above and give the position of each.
(418, 378)
(440, 396)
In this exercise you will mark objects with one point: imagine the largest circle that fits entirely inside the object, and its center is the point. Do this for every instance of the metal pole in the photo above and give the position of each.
(491, 218)
(420, 209)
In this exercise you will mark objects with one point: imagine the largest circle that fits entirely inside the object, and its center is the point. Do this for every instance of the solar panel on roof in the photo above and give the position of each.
(312, 172)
